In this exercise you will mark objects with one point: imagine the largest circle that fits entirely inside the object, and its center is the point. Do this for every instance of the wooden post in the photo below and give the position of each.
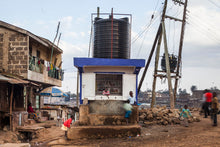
(77, 90)
(168, 67)
(157, 58)
(26, 98)
(150, 56)
(180, 48)
(11, 98)
(155, 71)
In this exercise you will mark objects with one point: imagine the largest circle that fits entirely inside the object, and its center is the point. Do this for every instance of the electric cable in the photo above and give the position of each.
(214, 3)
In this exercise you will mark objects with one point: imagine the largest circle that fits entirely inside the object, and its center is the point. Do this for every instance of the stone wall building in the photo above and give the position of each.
(28, 63)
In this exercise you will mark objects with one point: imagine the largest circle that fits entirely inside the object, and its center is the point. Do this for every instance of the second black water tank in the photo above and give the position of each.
(103, 35)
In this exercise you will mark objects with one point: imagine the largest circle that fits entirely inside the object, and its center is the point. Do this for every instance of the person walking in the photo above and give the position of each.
(215, 107)
(128, 109)
(208, 97)
(186, 114)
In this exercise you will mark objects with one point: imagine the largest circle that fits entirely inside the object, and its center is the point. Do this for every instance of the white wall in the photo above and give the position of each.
(88, 87)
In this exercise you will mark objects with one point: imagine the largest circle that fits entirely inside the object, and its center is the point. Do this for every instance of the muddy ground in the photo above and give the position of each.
(197, 134)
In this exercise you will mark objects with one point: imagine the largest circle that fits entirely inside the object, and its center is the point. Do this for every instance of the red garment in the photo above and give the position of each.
(106, 92)
(208, 96)
(30, 110)
(68, 122)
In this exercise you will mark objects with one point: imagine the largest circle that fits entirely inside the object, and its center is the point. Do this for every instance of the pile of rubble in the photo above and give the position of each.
(162, 116)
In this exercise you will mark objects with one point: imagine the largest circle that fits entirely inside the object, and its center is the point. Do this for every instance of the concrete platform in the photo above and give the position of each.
(79, 132)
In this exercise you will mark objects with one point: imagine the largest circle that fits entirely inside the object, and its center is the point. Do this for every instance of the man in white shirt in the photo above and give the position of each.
(131, 98)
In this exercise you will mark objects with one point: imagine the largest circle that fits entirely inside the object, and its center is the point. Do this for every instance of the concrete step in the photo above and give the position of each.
(78, 132)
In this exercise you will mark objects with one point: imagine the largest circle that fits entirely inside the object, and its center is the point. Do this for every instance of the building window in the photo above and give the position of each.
(110, 82)
(38, 54)
(30, 50)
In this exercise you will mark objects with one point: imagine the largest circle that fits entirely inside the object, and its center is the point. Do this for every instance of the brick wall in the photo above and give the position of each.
(18, 54)
(1, 49)
(14, 52)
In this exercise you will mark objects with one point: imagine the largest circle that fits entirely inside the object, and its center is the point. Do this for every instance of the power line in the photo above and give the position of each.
(214, 3)
(212, 34)
(147, 26)
(194, 16)
(211, 38)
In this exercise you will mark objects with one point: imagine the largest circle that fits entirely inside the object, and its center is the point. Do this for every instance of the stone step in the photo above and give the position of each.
(96, 132)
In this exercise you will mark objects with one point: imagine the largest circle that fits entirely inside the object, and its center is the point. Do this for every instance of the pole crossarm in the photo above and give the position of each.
(173, 18)
(179, 2)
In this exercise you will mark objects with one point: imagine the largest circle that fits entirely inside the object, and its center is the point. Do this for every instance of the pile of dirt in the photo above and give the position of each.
(8, 137)
(162, 116)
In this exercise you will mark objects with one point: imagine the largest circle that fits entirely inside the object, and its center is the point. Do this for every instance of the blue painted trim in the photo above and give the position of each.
(110, 72)
(136, 88)
(81, 62)
(80, 98)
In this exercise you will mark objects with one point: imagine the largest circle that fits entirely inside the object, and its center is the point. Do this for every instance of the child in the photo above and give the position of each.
(106, 92)
(66, 125)
(128, 109)
(186, 114)
(214, 108)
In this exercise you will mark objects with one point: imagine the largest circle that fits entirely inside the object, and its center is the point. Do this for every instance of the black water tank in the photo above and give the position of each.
(102, 38)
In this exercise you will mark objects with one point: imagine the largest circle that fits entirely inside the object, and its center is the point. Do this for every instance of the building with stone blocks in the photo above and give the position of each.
(28, 63)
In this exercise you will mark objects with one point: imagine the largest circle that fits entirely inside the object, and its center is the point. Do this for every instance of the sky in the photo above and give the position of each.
(201, 46)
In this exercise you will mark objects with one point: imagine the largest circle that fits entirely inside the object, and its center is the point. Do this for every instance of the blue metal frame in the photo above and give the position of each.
(81, 62)
(136, 88)
(80, 75)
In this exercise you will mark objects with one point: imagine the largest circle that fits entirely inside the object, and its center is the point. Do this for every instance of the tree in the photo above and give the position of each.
(214, 88)
(182, 91)
(193, 88)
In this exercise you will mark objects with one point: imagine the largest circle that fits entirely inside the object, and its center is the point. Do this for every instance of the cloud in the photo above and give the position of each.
(66, 22)
(203, 27)
(73, 50)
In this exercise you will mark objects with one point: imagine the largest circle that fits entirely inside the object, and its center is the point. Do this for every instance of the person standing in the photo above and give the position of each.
(66, 125)
(186, 114)
(128, 109)
(132, 98)
(208, 96)
(215, 107)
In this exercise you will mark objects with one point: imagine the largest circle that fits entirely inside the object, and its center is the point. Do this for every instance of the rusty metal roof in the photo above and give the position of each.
(39, 39)
(12, 80)
(3, 78)
(17, 81)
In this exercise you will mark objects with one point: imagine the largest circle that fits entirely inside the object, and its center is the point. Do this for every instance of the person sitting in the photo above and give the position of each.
(106, 92)
(32, 114)
(132, 98)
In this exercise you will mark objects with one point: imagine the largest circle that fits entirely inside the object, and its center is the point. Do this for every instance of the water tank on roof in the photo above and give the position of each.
(104, 31)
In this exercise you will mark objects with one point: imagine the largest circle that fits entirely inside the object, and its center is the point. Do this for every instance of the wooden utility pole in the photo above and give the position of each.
(167, 73)
(149, 58)
(180, 48)
(157, 56)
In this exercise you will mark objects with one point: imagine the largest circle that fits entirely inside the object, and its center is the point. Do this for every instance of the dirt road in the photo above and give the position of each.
(197, 134)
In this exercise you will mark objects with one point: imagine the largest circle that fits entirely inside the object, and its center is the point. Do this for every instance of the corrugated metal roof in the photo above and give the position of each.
(3, 78)
(17, 81)
(39, 39)
(12, 80)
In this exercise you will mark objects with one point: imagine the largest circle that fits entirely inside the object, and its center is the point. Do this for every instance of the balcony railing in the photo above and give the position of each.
(39, 65)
